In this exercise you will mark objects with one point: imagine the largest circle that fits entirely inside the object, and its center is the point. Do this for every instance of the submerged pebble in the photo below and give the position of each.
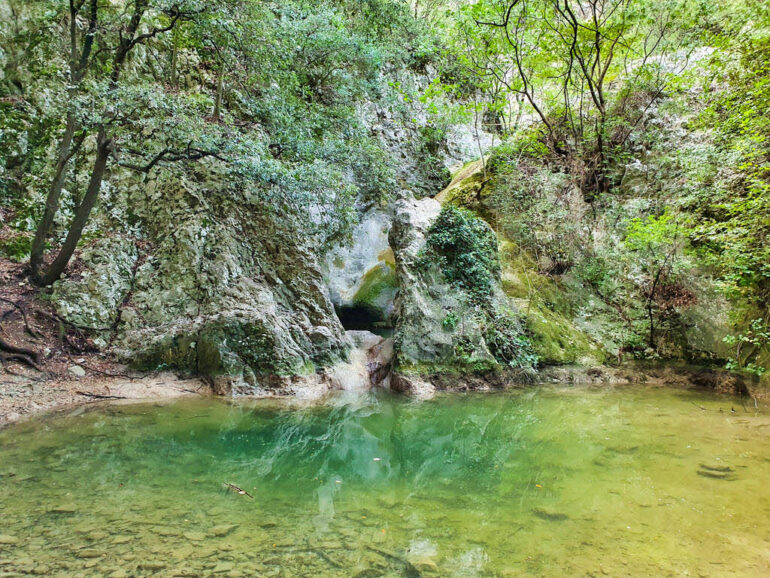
(89, 553)
(63, 509)
(223, 530)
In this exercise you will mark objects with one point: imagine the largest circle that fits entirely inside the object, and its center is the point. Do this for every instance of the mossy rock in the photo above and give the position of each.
(456, 367)
(229, 348)
(378, 287)
(469, 189)
(520, 280)
(547, 311)
(556, 341)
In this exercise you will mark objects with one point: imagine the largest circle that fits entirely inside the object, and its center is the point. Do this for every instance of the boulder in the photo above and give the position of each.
(426, 301)
(90, 297)
(227, 293)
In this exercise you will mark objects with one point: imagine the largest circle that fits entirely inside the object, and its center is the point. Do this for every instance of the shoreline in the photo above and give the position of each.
(22, 398)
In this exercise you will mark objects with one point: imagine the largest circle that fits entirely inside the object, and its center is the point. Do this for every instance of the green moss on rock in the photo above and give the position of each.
(547, 312)
(227, 349)
(557, 341)
(378, 286)
(470, 189)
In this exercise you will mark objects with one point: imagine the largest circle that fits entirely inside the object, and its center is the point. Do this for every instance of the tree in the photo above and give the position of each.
(116, 39)
(80, 53)
(565, 55)
(657, 247)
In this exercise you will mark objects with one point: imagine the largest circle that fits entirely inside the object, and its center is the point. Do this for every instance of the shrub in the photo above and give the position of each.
(507, 342)
(465, 248)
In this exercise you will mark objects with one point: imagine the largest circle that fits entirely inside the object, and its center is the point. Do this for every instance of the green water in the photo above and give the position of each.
(536, 482)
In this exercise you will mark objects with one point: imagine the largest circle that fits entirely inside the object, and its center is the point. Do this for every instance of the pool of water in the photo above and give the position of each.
(541, 481)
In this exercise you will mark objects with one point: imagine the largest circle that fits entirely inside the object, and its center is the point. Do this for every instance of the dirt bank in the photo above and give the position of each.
(21, 397)
(26, 395)
(47, 363)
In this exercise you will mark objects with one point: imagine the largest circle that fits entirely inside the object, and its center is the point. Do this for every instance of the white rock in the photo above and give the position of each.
(76, 370)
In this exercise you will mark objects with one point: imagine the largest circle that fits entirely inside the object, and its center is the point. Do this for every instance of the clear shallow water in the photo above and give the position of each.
(535, 482)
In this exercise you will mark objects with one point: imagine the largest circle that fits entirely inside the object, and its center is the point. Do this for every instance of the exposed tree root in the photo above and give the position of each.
(99, 396)
(10, 352)
(27, 327)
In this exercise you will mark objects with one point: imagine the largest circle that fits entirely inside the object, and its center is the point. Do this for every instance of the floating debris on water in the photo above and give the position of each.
(237, 490)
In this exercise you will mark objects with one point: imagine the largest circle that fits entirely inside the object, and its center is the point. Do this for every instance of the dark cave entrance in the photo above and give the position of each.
(364, 318)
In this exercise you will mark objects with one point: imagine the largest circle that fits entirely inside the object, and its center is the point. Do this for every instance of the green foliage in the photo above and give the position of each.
(747, 345)
(262, 103)
(654, 235)
(612, 268)
(507, 342)
(450, 321)
(432, 139)
(262, 98)
(16, 247)
(465, 249)
(733, 230)
(525, 143)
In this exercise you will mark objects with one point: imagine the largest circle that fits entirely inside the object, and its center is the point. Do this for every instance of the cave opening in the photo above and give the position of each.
(364, 318)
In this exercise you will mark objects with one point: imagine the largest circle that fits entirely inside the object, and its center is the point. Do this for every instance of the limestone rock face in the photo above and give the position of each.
(425, 299)
(413, 167)
(222, 292)
(91, 298)
(361, 275)
(234, 316)
(421, 162)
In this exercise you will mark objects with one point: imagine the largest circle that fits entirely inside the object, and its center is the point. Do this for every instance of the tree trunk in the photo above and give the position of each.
(103, 150)
(77, 68)
(651, 317)
(220, 90)
(52, 201)
(174, 51)
(602, 182)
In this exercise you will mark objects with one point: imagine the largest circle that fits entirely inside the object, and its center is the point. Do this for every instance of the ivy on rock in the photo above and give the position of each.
(464, 247)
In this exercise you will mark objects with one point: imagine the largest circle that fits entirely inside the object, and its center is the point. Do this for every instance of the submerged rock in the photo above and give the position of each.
(223, 567)
(716, 472)
(549, 515)
(63, 509)
(88, 553)
(223, 530)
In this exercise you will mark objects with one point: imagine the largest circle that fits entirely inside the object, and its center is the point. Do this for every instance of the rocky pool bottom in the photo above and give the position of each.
(541, 481)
